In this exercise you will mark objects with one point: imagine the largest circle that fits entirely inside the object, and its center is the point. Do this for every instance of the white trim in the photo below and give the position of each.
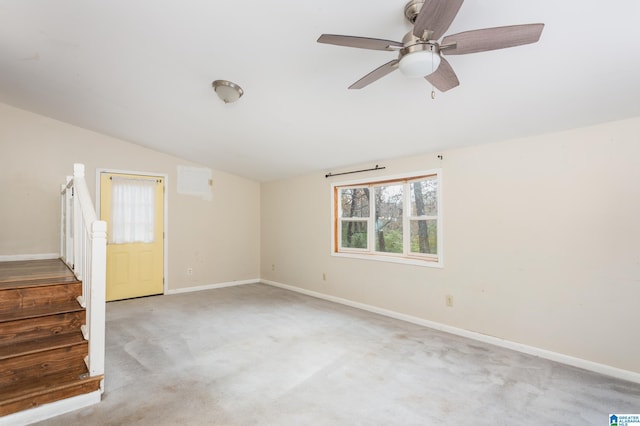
(39, 256)
(50, 410)
(165, 228)
(381, 178)
(518, 347)
(370, 253)
(213, 286)
(430, 263)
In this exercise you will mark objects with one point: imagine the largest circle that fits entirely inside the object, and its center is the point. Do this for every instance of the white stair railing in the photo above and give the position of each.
(83, 247)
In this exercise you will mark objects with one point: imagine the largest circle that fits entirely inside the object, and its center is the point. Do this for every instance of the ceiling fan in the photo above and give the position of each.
(420, 54)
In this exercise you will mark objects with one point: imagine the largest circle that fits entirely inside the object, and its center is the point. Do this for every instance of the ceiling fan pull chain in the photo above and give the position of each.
(433, 90)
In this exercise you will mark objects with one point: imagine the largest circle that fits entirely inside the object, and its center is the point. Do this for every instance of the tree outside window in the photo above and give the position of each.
(396, 217)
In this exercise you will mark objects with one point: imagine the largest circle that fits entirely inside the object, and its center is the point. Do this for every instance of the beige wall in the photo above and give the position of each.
(219, 239)
(541, 243)
(540, 234)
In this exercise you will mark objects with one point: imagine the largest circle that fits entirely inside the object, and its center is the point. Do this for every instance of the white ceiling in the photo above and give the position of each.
(141, 70)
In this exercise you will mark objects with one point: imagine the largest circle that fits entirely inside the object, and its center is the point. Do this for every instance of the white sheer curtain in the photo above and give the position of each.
(133, 204)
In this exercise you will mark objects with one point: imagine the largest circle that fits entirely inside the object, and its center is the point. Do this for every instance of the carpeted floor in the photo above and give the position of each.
(259, 355)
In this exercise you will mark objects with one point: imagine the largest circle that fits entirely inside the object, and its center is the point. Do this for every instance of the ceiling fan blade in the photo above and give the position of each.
(436, 16)
(376, 74)
(444, 78)
(491, 39)
(360, 42)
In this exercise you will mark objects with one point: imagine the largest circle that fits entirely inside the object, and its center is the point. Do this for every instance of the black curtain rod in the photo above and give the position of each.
(355, 171)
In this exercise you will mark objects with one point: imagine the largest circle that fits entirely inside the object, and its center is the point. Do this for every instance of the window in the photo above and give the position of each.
(133, 203)
(394, 219)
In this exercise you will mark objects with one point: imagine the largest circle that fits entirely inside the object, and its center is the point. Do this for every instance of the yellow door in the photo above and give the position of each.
(135, 246)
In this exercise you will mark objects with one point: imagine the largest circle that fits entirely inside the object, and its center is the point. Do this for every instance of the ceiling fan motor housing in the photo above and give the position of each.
(412, 9)
(414, 44)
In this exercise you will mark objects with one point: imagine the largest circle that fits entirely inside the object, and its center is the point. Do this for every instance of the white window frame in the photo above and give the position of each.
(428, 260)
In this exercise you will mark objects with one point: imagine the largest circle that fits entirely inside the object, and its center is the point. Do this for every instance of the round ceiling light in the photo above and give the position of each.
(227, 91)
(419, 63)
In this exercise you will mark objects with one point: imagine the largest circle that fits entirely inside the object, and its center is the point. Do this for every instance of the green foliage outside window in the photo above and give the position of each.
(376, 217)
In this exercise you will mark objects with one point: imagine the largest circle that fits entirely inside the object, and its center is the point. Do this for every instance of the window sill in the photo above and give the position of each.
(392, 259)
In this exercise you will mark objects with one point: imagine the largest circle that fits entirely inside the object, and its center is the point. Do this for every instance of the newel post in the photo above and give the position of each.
(66, 222)
(97, 307)
(78, 267)
(63, 214)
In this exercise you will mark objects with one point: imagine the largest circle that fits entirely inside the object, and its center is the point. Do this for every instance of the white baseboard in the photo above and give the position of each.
(53, 409)
(519, 347)
(38, 256)
(212, 286)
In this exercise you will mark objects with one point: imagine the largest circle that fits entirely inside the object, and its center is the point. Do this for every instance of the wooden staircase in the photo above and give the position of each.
(42, 348)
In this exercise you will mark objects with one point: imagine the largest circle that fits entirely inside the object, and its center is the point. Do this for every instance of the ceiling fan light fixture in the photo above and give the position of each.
(419, 51)
(419, 63)
(227, 91)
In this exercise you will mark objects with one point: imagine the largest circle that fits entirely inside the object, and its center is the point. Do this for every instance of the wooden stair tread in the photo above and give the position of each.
(38, 282)
(33, 269)
(41, 311)
(47, 389)
(40, 345)
(41, 385)
(69, 361)
(36, 328)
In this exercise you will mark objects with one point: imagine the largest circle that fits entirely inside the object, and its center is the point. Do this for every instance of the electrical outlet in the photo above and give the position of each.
(273, 267)
(449, 300)
(189, 271)
(324, 276)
